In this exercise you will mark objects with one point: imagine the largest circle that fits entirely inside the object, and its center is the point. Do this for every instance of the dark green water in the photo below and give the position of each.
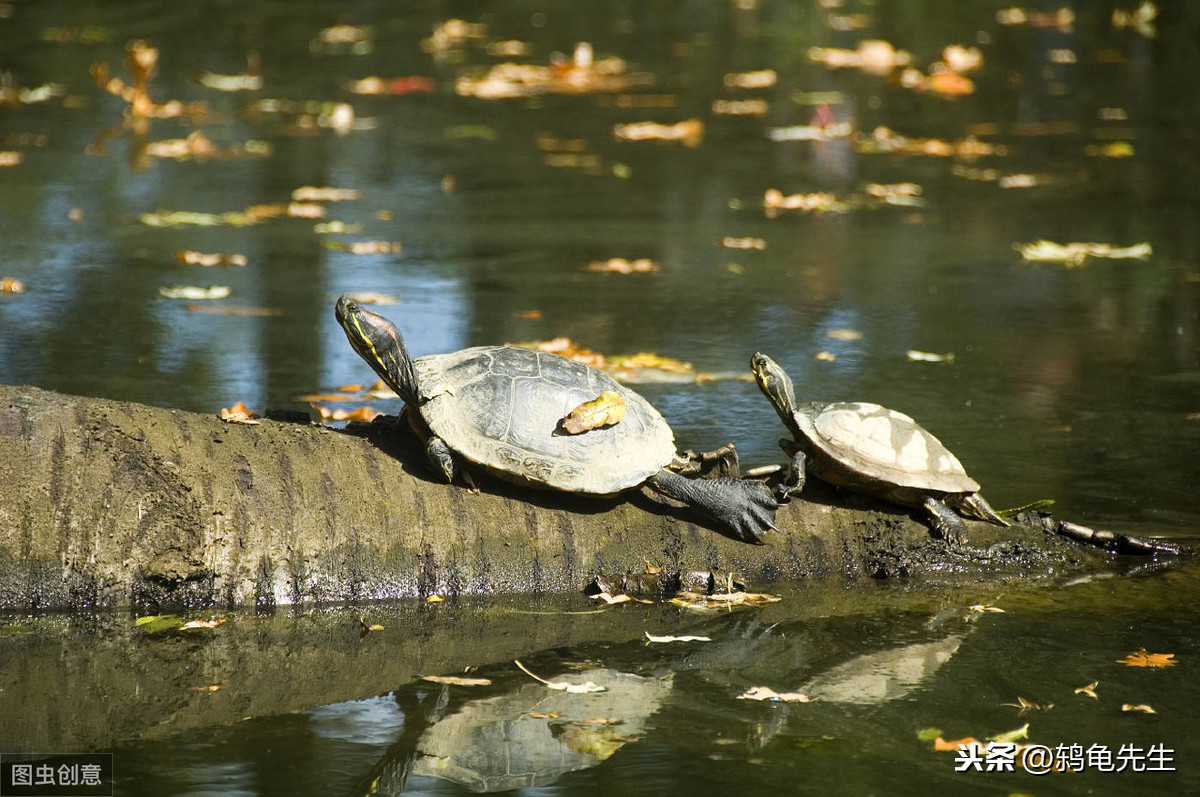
(1079, 384)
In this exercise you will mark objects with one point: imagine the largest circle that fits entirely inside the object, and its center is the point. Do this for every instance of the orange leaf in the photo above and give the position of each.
(941, 745)
(238, 413)
(1144, 659)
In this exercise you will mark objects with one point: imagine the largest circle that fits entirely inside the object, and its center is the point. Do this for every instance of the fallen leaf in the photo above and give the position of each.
(743, 243)
(435, 599)
(954, 745)
(767, 693)
(825, 356)
(10, 158)
(612, 599)
(619, 265)
(1011, 736)
(605, 410)
(192, 625)
(1142, 707)
(1144, 659)
(981, 608)
(689, 132)
(362, 623)
(563, 686)
(1026, 705)
(1089, 690)
(457, 680)
(1073, 254)
(364, 247)
(308, 193)
(929, 357)
(760, 79)
(651, 638)
(188, 257)
(194, 293)
(239, 413)
(844, 334)
(209, 688)
(529, 315)
(11, 285)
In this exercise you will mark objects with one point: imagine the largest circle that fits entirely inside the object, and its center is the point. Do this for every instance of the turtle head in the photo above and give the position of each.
(776, 385)
(380, 343)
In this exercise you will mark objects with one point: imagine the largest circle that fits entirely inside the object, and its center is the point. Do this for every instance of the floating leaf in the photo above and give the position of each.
(1143, 659)
(239, 413)
(188, 257)
(743, 243)
(725, 600)
(686, 638)
(929, 357)
(1013, 735)
(563, 686)
(11, 285)
(157, 623)
(825, 356)
(619, 265)
(941, 745)
(928, 734)
(844, 334)
(10, 158)
(605, 410)
(612, 599)
(308, 193)
(1142, 707)
(364, 247)
(1089, 690)
(193, 625)
(362, 623)
(456, 680)
(767, 693)
(1027, 705)
(760, 79)
(689, 132)
(209, 688)
(1073, 254)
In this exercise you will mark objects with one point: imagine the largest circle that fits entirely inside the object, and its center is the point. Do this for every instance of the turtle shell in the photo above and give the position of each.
(878, 449)
(500, 406)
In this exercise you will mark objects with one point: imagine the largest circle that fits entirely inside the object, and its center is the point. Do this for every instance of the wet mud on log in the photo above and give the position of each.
(106, 503)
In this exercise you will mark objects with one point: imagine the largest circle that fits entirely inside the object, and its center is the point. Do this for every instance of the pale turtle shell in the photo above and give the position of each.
(884, 446)
(500, 406)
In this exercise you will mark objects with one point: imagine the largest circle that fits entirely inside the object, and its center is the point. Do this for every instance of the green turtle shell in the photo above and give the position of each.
(500, 406)
(873, 448)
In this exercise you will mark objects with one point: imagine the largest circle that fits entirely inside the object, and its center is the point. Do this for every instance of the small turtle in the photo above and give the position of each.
(502, 407)
(872, 450)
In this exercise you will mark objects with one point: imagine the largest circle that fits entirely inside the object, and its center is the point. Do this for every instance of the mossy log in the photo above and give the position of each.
(107, 503)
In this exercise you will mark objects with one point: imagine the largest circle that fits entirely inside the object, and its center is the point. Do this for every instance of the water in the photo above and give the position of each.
(1078, 384)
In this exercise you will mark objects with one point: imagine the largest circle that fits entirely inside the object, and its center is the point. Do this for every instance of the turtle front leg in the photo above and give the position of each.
(794, 478)
(744, 507)
(440, 457)
(722, 461)
(945, 522)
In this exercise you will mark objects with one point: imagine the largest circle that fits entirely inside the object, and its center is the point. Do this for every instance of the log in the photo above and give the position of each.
(106, 503)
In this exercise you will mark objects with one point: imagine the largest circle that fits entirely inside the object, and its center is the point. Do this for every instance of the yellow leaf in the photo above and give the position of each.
(651, 638)
(11, 285)
(1142, 707)
(941, 745)
(435, 599)
(607, 409)
(1089, 690)
(1144, 659)
(194, 293)
(192, 625)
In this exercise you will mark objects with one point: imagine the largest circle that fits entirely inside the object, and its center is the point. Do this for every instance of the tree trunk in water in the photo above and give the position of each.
(106, 503)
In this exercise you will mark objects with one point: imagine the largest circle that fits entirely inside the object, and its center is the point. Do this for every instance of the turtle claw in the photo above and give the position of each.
(757, 512)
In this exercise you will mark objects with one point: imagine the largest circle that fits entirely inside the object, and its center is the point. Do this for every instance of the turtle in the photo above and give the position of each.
(502, 407)
(872, 450)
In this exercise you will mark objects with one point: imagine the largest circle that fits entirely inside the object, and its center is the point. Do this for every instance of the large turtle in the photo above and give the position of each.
(873, 450)
(502, 407)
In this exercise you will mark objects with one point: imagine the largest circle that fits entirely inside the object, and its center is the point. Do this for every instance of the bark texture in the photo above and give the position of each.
(106, 503)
